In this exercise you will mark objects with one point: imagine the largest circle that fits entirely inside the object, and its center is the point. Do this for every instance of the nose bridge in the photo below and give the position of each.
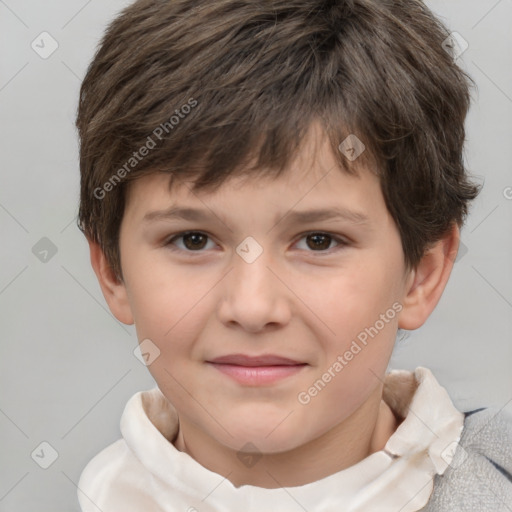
(253, 296)
(251, 273)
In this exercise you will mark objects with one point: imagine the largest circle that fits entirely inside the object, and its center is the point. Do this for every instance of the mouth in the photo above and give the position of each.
(256, 370)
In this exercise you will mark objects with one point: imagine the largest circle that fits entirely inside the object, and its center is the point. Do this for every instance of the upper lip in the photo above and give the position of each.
(263, 360)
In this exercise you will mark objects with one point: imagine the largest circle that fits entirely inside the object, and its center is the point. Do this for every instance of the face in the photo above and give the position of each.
(253, 274)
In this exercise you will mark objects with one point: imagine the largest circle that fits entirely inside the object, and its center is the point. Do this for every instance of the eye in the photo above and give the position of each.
(319, 241)
(195, 241)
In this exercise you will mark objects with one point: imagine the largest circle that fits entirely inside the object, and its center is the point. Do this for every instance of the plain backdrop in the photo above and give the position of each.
(67, 366)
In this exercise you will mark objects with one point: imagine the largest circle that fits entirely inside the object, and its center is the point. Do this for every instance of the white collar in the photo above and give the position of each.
(399, 477)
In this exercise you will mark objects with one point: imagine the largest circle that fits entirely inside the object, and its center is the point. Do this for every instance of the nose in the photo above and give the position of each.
(254, 295)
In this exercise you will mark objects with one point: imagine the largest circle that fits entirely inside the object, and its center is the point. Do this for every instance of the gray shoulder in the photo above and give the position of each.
(480, 475)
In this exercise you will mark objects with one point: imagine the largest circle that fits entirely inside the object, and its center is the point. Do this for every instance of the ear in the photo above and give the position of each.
(113, 289)
(426, 283)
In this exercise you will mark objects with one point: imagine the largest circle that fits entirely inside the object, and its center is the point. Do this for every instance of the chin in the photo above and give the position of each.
(263, 437)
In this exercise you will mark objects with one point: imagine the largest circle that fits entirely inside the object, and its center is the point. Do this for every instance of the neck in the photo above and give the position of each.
(365, 432)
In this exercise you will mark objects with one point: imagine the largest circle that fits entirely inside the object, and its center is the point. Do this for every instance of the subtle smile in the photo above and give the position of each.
(256, 370)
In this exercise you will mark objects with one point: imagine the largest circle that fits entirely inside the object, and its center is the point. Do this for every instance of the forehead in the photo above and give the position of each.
(313, 179)
(334, 196)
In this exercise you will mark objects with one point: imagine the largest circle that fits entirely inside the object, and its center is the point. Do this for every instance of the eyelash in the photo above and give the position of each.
(340, 241)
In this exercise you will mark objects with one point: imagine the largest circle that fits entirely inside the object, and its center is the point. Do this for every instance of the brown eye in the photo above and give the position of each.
(319, 241)
(193, 241)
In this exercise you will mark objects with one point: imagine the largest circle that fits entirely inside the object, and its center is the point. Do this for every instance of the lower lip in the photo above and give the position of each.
(258, 375)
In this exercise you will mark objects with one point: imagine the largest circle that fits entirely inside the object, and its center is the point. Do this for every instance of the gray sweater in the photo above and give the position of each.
(479, 479)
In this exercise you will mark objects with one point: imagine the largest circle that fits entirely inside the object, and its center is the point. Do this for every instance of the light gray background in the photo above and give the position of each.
(67, 366)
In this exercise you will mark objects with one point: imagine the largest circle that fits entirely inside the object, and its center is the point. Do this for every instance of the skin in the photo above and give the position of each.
(295, 300)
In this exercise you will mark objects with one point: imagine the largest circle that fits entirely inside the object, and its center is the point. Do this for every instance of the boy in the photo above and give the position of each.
(315, 149)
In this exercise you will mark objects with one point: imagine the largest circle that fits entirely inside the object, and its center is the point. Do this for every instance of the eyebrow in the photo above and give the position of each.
(293, 216)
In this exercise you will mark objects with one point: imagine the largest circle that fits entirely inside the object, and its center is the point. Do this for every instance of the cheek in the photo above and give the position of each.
(157, 305)
(353, 299)
(360, 310)
(171, 310)
(158, 291)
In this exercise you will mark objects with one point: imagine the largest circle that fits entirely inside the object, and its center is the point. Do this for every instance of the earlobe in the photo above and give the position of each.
(426, 283)
(114, 290)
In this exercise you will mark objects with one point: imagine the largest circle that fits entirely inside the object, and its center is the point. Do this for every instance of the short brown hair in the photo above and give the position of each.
(254, 76)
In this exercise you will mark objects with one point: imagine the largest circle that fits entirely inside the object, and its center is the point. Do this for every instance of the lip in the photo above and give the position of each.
(256, 371)
(262, 360)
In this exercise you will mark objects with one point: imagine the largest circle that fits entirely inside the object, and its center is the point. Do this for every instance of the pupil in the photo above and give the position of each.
(320, 246)
(194, 238)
